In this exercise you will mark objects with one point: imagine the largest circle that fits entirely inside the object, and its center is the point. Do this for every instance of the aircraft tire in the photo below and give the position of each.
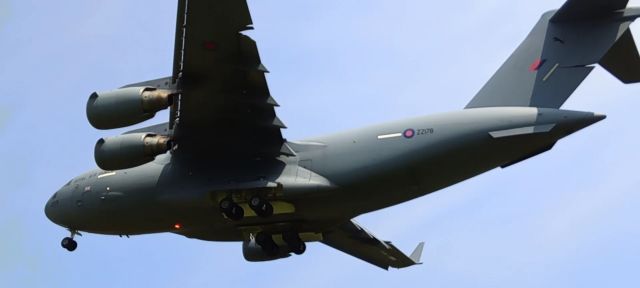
(261, 206)
(235, 213)
(265, 241)
(69, 244)
(231, 209)
(295, 244)
(299, 249)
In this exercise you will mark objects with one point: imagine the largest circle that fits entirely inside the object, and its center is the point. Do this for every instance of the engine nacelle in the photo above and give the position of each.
(252, 252)
(127, 106)
(129, 150)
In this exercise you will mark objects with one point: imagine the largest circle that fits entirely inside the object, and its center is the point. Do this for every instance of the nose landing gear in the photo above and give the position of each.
(68, 242)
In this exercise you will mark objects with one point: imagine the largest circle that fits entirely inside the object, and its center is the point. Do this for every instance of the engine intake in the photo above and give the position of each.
(129, 150)
(127, 106)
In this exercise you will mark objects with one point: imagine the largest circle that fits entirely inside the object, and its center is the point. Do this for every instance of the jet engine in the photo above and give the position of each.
(127, 106)
(129, 150)
(253, 252)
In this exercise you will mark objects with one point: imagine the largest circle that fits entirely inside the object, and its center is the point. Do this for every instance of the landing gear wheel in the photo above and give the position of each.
(261, 206)
(236, 213)
(299, 249)
(268, 245)
(231, 209)
(226, 204)
(69, 244)
(295, 244)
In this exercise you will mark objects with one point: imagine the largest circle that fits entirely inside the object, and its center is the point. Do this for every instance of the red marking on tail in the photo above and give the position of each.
(536, 65)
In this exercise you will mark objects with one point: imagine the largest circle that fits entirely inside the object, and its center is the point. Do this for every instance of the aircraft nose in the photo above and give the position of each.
(52, 208)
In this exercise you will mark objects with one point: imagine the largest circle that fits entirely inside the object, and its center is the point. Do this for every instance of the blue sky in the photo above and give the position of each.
(568, 218)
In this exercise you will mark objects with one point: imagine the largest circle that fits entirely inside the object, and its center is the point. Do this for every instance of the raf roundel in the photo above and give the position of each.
(409, 133)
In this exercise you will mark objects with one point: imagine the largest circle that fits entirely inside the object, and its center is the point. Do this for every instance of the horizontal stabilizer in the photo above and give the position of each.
(623, 60)
(587, 9)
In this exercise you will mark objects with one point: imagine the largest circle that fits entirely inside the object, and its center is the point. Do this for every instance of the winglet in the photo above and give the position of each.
(417, 253)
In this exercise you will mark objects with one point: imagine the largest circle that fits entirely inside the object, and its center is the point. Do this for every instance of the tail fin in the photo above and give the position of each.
(559, 54)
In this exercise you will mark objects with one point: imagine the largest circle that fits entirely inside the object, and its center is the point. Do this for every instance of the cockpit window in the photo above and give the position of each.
(54, 196)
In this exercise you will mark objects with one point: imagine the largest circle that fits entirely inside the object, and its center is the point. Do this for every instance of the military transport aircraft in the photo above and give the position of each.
(220, 169)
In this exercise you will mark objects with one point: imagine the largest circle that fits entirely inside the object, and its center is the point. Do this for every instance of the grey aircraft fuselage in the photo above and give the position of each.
(353, 172)
(221, 170)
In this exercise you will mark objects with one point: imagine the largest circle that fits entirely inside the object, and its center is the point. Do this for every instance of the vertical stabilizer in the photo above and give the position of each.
(559, 53)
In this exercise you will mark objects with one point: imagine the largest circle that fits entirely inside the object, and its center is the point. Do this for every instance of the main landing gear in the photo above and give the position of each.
(68, 242)
(261, 206)
(268, 245)
(293, 241)
(231, 209)
(258, 204)
(295, 244)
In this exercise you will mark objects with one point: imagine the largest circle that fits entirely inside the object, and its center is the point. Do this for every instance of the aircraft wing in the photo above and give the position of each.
(225, 108)
(356, 241)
